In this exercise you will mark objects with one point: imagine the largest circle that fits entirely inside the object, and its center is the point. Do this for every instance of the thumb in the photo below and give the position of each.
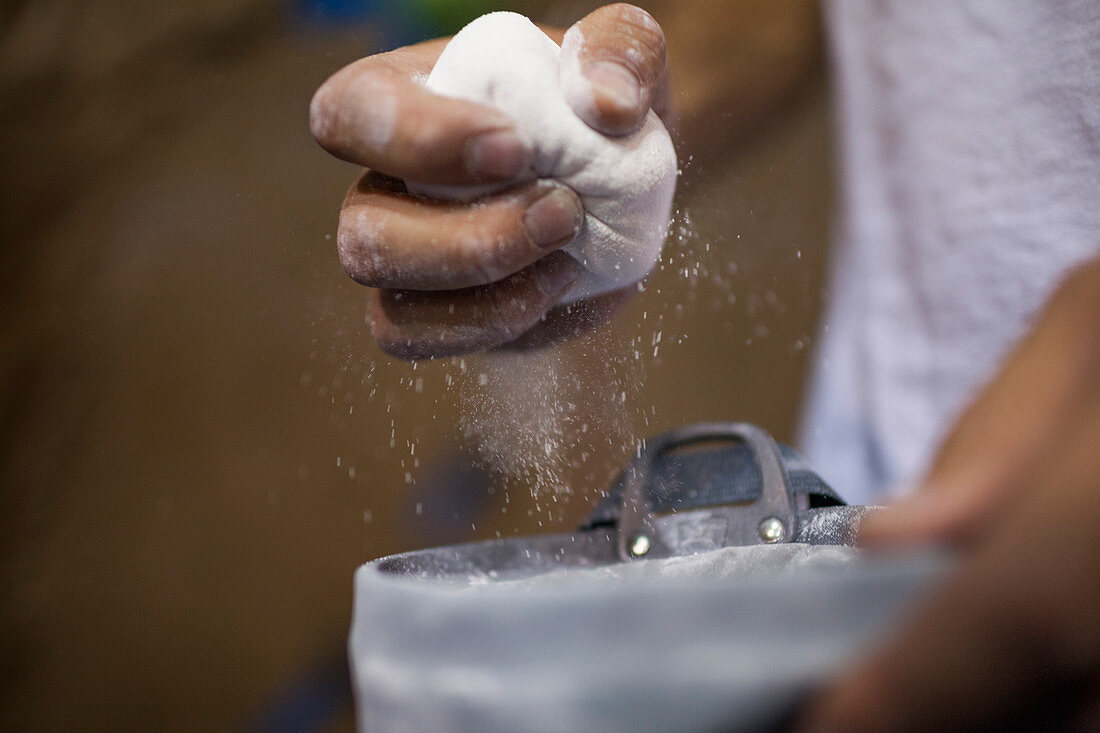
(614, 68)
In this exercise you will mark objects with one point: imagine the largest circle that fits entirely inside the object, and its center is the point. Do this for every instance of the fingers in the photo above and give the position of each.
(389, 239)
(961, 666)
(564, 322)
(952, 515)
(1016, 422)
(416, 325)
(377, 113)
(614, 68)
(1020, 623)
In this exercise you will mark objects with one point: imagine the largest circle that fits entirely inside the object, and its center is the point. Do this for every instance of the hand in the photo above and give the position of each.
(451, 278)
(1014, 637)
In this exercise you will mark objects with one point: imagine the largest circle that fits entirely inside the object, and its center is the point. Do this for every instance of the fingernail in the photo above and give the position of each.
(554, 216)
(615, 83)
(497, 154)
(556, 272)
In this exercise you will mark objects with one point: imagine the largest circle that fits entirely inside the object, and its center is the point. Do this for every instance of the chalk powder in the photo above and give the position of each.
(625, 183)
(726, 564)
(538, 418)
(520, 413)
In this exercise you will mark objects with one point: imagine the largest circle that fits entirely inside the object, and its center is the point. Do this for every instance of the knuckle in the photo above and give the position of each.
(638, 21)
(645, 49)
(480, 263)
(359, 244)
(486, 248)
(422, 140)
(322, 114)
(388, 333)
(624, 33)
(393, 342)
(504, 313)
(354, 113)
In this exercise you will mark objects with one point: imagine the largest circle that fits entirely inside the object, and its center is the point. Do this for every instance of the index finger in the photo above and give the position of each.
(377, 112)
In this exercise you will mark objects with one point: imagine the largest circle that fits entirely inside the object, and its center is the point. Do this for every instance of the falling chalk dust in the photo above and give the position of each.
(558, 421)
(723, 564)
(625, 184)
(538, 418)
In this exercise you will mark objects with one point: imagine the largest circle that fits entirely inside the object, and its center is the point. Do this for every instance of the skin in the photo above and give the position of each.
(1015, 487)
(496, 277)
(377, 113)
(1014, 637)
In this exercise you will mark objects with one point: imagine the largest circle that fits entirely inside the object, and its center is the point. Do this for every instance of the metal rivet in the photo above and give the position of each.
(639, 545)
(771, 530)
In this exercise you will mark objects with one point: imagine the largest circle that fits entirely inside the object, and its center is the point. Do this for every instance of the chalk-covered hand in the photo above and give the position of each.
(1012, 642)
(451, 277)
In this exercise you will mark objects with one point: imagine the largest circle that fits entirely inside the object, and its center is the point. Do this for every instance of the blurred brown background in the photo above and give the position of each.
(195, 429)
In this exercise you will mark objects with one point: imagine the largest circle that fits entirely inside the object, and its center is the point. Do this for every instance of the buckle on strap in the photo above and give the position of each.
(770, 519)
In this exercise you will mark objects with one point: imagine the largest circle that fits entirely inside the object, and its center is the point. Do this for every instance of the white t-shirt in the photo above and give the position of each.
(970, 144)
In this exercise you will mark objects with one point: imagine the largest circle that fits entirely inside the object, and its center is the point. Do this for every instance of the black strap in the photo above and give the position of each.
(728, 474)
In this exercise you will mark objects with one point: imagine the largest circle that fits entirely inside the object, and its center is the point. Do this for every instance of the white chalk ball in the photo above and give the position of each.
(625, 183)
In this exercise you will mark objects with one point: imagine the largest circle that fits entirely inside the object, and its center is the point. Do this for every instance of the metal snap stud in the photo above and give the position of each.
(771, 530)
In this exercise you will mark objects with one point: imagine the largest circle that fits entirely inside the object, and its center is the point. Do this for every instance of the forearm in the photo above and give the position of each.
(734, 63)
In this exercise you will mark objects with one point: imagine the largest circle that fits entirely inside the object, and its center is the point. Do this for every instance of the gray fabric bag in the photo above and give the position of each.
(710, 591)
